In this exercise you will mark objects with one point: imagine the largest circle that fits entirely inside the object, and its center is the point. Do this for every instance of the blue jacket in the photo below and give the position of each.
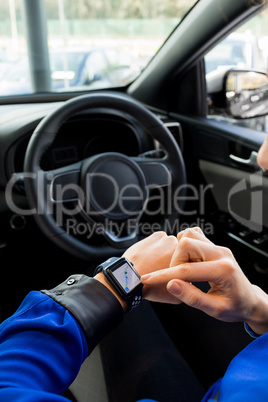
(43, 345)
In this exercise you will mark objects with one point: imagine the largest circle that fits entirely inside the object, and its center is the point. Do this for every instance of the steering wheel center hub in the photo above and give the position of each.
(114, 187)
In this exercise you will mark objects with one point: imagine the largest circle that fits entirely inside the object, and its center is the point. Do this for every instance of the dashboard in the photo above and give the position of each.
(82, 136)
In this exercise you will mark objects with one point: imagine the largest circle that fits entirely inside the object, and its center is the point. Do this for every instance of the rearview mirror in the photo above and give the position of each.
(246, 94)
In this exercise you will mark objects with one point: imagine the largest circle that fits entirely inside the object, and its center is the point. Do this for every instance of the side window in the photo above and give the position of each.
(244, 49)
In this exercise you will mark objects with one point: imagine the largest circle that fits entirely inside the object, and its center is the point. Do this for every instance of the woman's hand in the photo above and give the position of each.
(148, 255)
(152, 254)
(231, 296)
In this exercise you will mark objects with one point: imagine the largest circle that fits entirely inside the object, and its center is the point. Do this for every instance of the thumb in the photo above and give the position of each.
(188, 294)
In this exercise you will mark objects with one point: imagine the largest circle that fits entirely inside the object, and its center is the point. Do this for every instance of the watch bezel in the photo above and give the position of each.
(109, 273)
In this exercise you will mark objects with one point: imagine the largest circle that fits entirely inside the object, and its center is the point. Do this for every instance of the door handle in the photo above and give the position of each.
(250, 162)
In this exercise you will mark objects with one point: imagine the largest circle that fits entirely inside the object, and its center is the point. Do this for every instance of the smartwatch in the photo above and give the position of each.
(125, 280)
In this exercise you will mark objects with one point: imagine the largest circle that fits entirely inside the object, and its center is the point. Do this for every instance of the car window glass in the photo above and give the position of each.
(128, 33)
(113, 57)
(65, 65)
(96, 66)
(246, 48)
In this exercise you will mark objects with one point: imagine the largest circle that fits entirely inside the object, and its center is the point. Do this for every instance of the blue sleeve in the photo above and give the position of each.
(42, 347)
(246, 378)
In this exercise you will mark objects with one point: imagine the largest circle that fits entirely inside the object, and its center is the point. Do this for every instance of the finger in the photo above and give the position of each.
(159, 294)
(195, 233)
(192, 296)
(194, 250)
(190, 272)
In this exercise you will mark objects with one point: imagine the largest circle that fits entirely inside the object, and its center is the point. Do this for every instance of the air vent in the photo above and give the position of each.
(176, 130)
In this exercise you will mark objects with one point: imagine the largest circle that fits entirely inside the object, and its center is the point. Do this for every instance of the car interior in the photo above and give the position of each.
(179, 146)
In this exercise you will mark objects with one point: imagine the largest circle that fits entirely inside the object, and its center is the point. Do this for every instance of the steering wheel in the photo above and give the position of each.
(107, 190)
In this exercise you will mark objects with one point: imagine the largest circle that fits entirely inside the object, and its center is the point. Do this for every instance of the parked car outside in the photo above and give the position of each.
(238, 50)
(72, 69)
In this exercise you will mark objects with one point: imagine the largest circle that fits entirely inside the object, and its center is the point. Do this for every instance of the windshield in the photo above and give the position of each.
(67, 45)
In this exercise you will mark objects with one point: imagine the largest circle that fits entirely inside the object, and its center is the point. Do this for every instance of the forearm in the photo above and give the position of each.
(43, 345)
(94, 306)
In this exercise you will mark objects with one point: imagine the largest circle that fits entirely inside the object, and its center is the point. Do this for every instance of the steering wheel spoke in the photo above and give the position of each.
(64, 183)
(116, 239)
(156, 172)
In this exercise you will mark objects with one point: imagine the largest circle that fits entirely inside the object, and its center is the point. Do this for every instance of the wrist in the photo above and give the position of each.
(121, 278)
(101, 278)
(258, 319)
(93, 306)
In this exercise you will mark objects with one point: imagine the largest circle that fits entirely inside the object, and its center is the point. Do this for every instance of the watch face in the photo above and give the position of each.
(127, 278)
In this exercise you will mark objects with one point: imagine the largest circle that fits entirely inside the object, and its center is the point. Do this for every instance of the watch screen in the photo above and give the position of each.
(127, 278)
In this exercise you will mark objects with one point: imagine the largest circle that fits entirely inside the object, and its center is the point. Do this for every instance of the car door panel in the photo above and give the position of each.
(225, 181)
(237, 207)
